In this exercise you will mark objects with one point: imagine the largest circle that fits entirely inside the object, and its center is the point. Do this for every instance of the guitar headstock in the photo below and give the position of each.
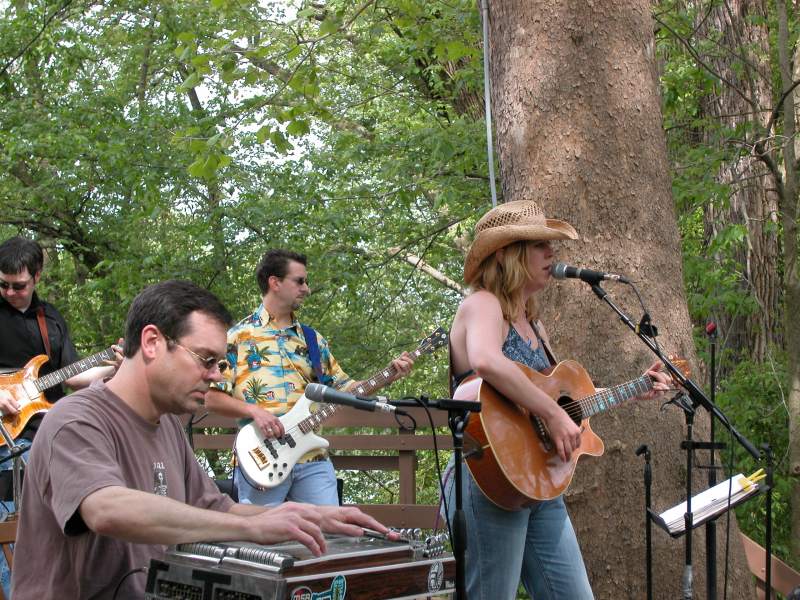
(434, 341)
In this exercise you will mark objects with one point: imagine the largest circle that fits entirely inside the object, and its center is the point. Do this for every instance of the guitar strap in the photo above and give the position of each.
(451, 378)
(43, 330)
(545, 345)
(314, 355)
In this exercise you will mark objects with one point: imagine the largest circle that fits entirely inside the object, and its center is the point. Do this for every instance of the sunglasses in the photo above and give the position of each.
(207, 362)
(301, 281)
(17, 286)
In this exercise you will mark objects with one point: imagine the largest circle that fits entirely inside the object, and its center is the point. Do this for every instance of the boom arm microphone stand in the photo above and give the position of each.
(689, 402)
(458, 413)
(696, 395)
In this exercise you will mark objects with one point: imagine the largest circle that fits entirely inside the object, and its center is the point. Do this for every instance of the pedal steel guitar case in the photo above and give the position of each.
(367, 568)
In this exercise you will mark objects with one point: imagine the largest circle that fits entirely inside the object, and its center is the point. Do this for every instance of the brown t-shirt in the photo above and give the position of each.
(88, 441)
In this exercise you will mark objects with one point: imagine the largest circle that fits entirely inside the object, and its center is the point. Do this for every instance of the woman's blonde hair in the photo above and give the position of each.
(506, 278)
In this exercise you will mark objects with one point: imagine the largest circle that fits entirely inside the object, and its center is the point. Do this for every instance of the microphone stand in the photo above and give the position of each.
(711, 526)
(15, 452)
(696, 395)
(648, 522)
(688, 402)
(458, 415)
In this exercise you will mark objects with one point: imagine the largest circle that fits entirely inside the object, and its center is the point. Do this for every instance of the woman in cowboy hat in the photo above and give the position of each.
(507, 264)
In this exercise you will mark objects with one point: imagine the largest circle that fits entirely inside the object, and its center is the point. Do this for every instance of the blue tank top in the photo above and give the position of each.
(517, 349)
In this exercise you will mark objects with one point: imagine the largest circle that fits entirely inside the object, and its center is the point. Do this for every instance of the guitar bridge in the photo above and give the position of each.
(541, 431)
(258, 456)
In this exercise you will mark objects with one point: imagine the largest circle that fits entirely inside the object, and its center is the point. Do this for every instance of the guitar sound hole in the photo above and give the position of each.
(572, 408)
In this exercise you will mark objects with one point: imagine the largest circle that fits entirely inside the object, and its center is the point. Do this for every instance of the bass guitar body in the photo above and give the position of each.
(22, 386)
(508, 450)
(267, 462)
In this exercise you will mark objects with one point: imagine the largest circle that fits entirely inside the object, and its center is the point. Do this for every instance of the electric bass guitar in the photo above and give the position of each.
(509, 451)
(28, 389)
(267, 462)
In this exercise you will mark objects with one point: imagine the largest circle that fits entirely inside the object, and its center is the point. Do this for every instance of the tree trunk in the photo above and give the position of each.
(791, 276)
(741, 29)
(579, 129)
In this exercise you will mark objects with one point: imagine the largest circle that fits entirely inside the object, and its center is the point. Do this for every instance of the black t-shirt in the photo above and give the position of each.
(21, 340)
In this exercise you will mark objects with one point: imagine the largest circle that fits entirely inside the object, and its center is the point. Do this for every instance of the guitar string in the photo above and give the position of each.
(576, 409)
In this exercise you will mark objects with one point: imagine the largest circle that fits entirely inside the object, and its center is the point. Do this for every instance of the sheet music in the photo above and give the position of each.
(710, 503)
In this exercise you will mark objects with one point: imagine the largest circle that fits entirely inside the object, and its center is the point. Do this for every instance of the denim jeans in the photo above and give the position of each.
(9, 464)
(536, 544)
(312, 482)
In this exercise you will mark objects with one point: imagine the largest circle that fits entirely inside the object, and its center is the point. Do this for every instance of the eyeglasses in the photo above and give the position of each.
(301, 281)
(208, 362)
(17, 286)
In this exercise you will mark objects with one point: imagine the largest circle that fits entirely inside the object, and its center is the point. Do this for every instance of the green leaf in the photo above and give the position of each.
(282, 145)
(329, 25)
(298, 127)
(294, 53)
(201, 60)
(192, 81)
(262, 135)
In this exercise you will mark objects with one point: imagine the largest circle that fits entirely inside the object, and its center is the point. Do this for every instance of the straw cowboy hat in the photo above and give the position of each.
(508, 223)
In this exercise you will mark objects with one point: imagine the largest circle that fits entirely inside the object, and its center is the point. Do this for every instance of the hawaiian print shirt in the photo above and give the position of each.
(270, 366)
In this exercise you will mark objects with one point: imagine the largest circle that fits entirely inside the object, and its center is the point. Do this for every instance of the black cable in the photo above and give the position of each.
(124, 577)
(402, 426)
(436, 460)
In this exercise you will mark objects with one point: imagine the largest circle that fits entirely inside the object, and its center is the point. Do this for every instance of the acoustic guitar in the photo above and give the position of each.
(508, 450)
(28, 389)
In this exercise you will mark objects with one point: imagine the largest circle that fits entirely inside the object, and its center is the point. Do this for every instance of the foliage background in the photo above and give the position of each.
(143, 140)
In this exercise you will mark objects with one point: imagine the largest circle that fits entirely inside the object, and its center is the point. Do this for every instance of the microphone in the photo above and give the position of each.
(322, 393)
(562, 271)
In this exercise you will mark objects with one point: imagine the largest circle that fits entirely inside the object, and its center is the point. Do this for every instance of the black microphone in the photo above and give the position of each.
(322, 393)
(562, 271)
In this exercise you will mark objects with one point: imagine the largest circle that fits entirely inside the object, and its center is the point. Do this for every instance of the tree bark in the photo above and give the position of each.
(791, 275)
(579, 130)
(740, 27)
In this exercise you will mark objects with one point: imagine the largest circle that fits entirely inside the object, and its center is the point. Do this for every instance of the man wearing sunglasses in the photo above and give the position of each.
(25, 319)
(269, 352)
(112, 477)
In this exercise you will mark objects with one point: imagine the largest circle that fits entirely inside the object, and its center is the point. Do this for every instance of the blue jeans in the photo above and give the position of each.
(312, 482)
(8, 507)
(9, 464)
(536, 544)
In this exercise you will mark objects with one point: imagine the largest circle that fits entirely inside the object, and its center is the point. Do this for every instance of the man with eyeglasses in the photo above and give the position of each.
(24, 320)
(271, 363)
(113, 479)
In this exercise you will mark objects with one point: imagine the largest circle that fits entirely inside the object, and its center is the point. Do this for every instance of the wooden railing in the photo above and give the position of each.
(402, 446)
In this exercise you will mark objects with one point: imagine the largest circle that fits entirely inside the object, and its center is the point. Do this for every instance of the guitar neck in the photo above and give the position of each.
(56, 377)
(614, 396)
(366, 387)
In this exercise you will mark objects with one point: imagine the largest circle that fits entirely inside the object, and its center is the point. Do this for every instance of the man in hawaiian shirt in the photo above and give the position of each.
(270, 368)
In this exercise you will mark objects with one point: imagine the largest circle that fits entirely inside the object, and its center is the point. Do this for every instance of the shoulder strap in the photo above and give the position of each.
(43, 330)
(544, 344)
(314, 355)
